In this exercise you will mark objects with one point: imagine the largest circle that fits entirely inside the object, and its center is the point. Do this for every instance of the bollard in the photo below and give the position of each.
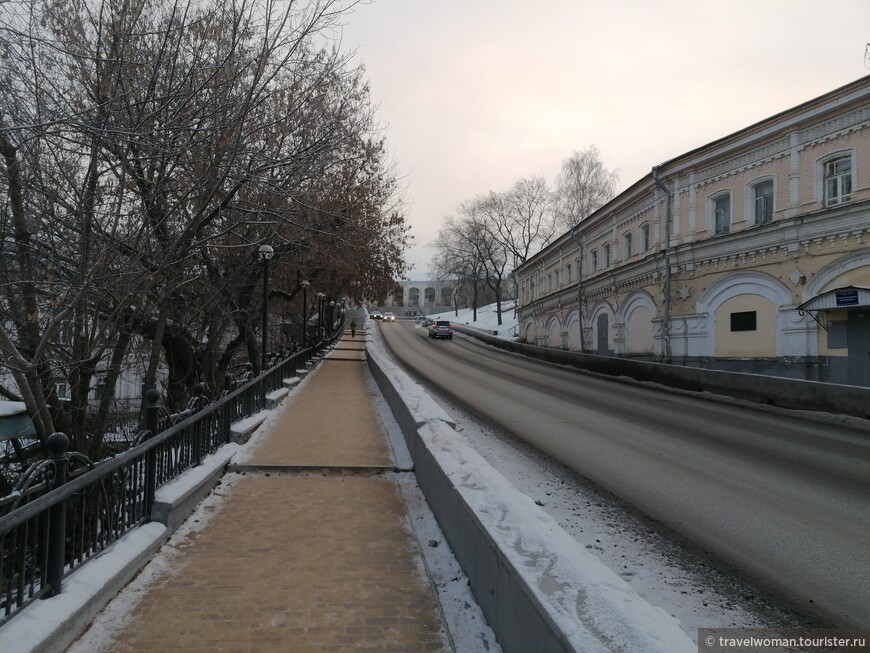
(57, 444)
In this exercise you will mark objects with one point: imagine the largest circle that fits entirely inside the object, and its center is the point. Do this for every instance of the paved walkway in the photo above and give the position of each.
(310, 550)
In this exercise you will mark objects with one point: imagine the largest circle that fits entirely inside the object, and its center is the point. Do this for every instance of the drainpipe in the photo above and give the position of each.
(579, 286)
(666, 325)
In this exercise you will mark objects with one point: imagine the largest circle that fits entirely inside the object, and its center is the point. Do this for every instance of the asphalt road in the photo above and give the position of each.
(782, 498)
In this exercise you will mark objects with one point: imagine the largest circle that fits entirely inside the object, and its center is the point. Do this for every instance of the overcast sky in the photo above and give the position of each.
(476, 94)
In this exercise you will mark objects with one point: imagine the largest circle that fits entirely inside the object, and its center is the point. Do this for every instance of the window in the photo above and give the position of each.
(568, 272)
(65, 333)
(61, 388)
(763, 202)
(100, 388)
(550, 283)
(744, 321)
(838, 180)
(626, 245)
(605, 252)
(644, 237)
(556, 277)
(593, 260)
(722, 214)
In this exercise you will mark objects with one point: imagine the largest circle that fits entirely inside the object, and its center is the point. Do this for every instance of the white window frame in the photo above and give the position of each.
(644, 238)
(605, 251)
(751, 207)
(822, 179)
(712, 210)
(62, 388)
(99, 387)
(626, 245)
(593, 260)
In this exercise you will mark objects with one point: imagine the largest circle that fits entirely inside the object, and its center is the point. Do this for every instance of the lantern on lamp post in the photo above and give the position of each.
(320, 298)
(331, 316)
(265, 253)
(304, 283)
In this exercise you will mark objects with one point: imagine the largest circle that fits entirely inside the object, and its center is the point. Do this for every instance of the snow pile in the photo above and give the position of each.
(8, 408)
(591, 606)
(487, 319)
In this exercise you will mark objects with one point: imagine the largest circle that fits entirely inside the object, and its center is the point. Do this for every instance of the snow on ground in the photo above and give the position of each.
(487, 319)
(8, 408)
(664, 570)
(661, 569)
(655, 562)
(467, 627)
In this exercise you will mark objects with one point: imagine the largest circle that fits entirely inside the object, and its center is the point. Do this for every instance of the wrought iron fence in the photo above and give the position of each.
(67, 510)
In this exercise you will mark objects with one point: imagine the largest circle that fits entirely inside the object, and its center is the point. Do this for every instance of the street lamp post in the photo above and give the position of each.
(304, 283)
(265, 253)
(331, 316)
(320, 297)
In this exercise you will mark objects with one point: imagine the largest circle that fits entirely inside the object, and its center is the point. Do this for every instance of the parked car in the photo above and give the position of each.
(422, 320)
(389, 317)
(375, 315)
(441, 329)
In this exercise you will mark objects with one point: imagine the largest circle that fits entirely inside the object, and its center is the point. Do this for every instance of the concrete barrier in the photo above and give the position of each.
(539, 589)
(177, 499)
(772, 390)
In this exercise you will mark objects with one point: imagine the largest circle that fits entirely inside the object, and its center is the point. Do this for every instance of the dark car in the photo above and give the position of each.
(441, 329)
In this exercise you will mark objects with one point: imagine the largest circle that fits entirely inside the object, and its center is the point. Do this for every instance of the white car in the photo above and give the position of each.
(389, 317)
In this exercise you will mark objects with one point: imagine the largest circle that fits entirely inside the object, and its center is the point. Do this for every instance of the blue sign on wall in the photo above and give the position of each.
(847, 298)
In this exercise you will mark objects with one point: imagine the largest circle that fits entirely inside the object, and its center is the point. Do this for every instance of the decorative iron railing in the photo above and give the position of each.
(66, 510)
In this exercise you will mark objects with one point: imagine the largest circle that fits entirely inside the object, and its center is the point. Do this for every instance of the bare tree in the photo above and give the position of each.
(583, 185)
(148, 149)
(456, 259)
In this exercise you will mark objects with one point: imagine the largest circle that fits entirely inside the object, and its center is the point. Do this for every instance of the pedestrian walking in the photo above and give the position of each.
(353, 328)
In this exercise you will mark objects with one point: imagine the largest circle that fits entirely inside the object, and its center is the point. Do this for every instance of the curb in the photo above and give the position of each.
(539, 589)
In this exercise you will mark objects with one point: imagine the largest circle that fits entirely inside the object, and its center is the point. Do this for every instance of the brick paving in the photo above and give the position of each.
(301, 561)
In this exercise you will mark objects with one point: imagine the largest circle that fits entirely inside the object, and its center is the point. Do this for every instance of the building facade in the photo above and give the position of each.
(422, 294)
(751, 253)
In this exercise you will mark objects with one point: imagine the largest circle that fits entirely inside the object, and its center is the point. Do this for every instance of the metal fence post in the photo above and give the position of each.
(57, 444)
(152, 424)
(263, 383)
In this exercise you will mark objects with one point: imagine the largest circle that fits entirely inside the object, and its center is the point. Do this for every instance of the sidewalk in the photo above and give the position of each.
(309, 551)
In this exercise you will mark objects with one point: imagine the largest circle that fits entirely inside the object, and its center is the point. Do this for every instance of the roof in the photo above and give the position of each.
(846, 297)
(856, 93)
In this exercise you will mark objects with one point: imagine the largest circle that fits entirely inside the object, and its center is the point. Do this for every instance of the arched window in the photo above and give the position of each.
(644, 237)
(837, 180)
(719, 213)
(762, 202)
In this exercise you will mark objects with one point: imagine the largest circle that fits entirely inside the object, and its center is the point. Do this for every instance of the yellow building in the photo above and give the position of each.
(751, 253)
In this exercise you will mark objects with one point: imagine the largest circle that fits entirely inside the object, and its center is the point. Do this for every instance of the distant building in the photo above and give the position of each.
(750, 253)
(422, 293)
